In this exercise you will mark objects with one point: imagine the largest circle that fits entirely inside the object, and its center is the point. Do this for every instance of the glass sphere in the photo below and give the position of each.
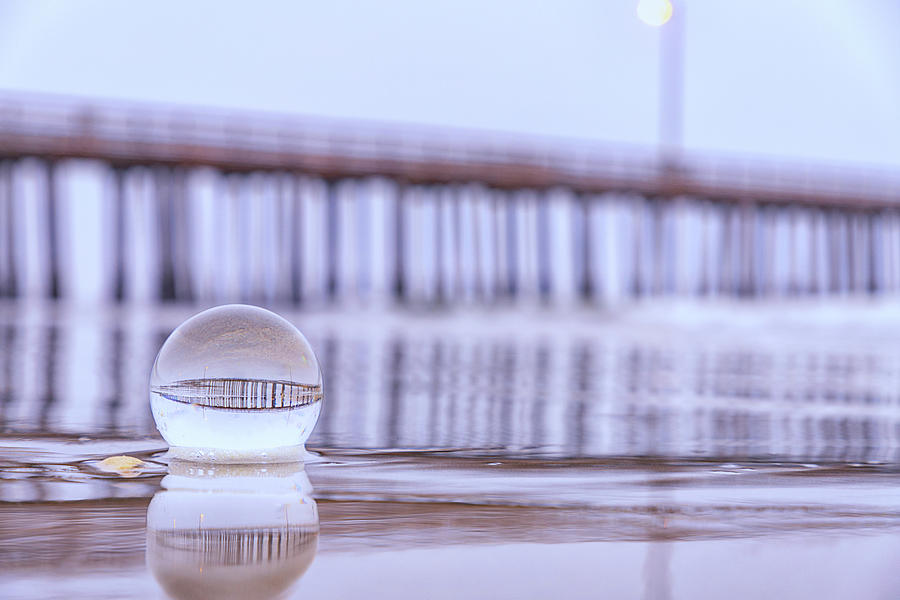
(235, 380)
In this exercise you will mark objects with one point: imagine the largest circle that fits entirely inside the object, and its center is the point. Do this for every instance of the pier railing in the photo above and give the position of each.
(214, 205)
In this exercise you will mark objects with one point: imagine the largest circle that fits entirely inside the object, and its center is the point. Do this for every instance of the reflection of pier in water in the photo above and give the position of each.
(218, 207)
(596, 393)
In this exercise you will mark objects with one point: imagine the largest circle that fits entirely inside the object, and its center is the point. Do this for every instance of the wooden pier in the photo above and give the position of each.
(233, 206)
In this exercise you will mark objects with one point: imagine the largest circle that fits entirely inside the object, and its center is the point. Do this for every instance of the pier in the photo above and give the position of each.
(214, 206)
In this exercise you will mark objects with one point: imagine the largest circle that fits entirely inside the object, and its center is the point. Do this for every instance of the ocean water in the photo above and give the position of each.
(669, 451)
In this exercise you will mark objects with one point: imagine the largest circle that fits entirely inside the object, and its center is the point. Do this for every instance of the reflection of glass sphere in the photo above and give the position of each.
(235, 379)
(235, 531)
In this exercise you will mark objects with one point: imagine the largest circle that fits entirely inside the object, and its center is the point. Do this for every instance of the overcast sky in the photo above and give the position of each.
(814, 79)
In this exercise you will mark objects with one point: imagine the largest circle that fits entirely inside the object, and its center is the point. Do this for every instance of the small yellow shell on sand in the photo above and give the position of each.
(126, 466)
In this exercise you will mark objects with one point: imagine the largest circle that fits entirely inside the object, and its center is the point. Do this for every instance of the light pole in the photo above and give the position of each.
(660, 13)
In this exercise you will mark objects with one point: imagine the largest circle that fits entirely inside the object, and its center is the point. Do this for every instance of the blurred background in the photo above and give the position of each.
(651, 242)
(448, 155)
(663, 231)
(513, 205)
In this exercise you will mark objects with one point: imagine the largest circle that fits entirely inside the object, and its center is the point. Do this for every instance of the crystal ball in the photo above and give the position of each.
(236, 380)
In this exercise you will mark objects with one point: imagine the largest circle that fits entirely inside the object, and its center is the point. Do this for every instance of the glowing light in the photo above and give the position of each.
(654, 12)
